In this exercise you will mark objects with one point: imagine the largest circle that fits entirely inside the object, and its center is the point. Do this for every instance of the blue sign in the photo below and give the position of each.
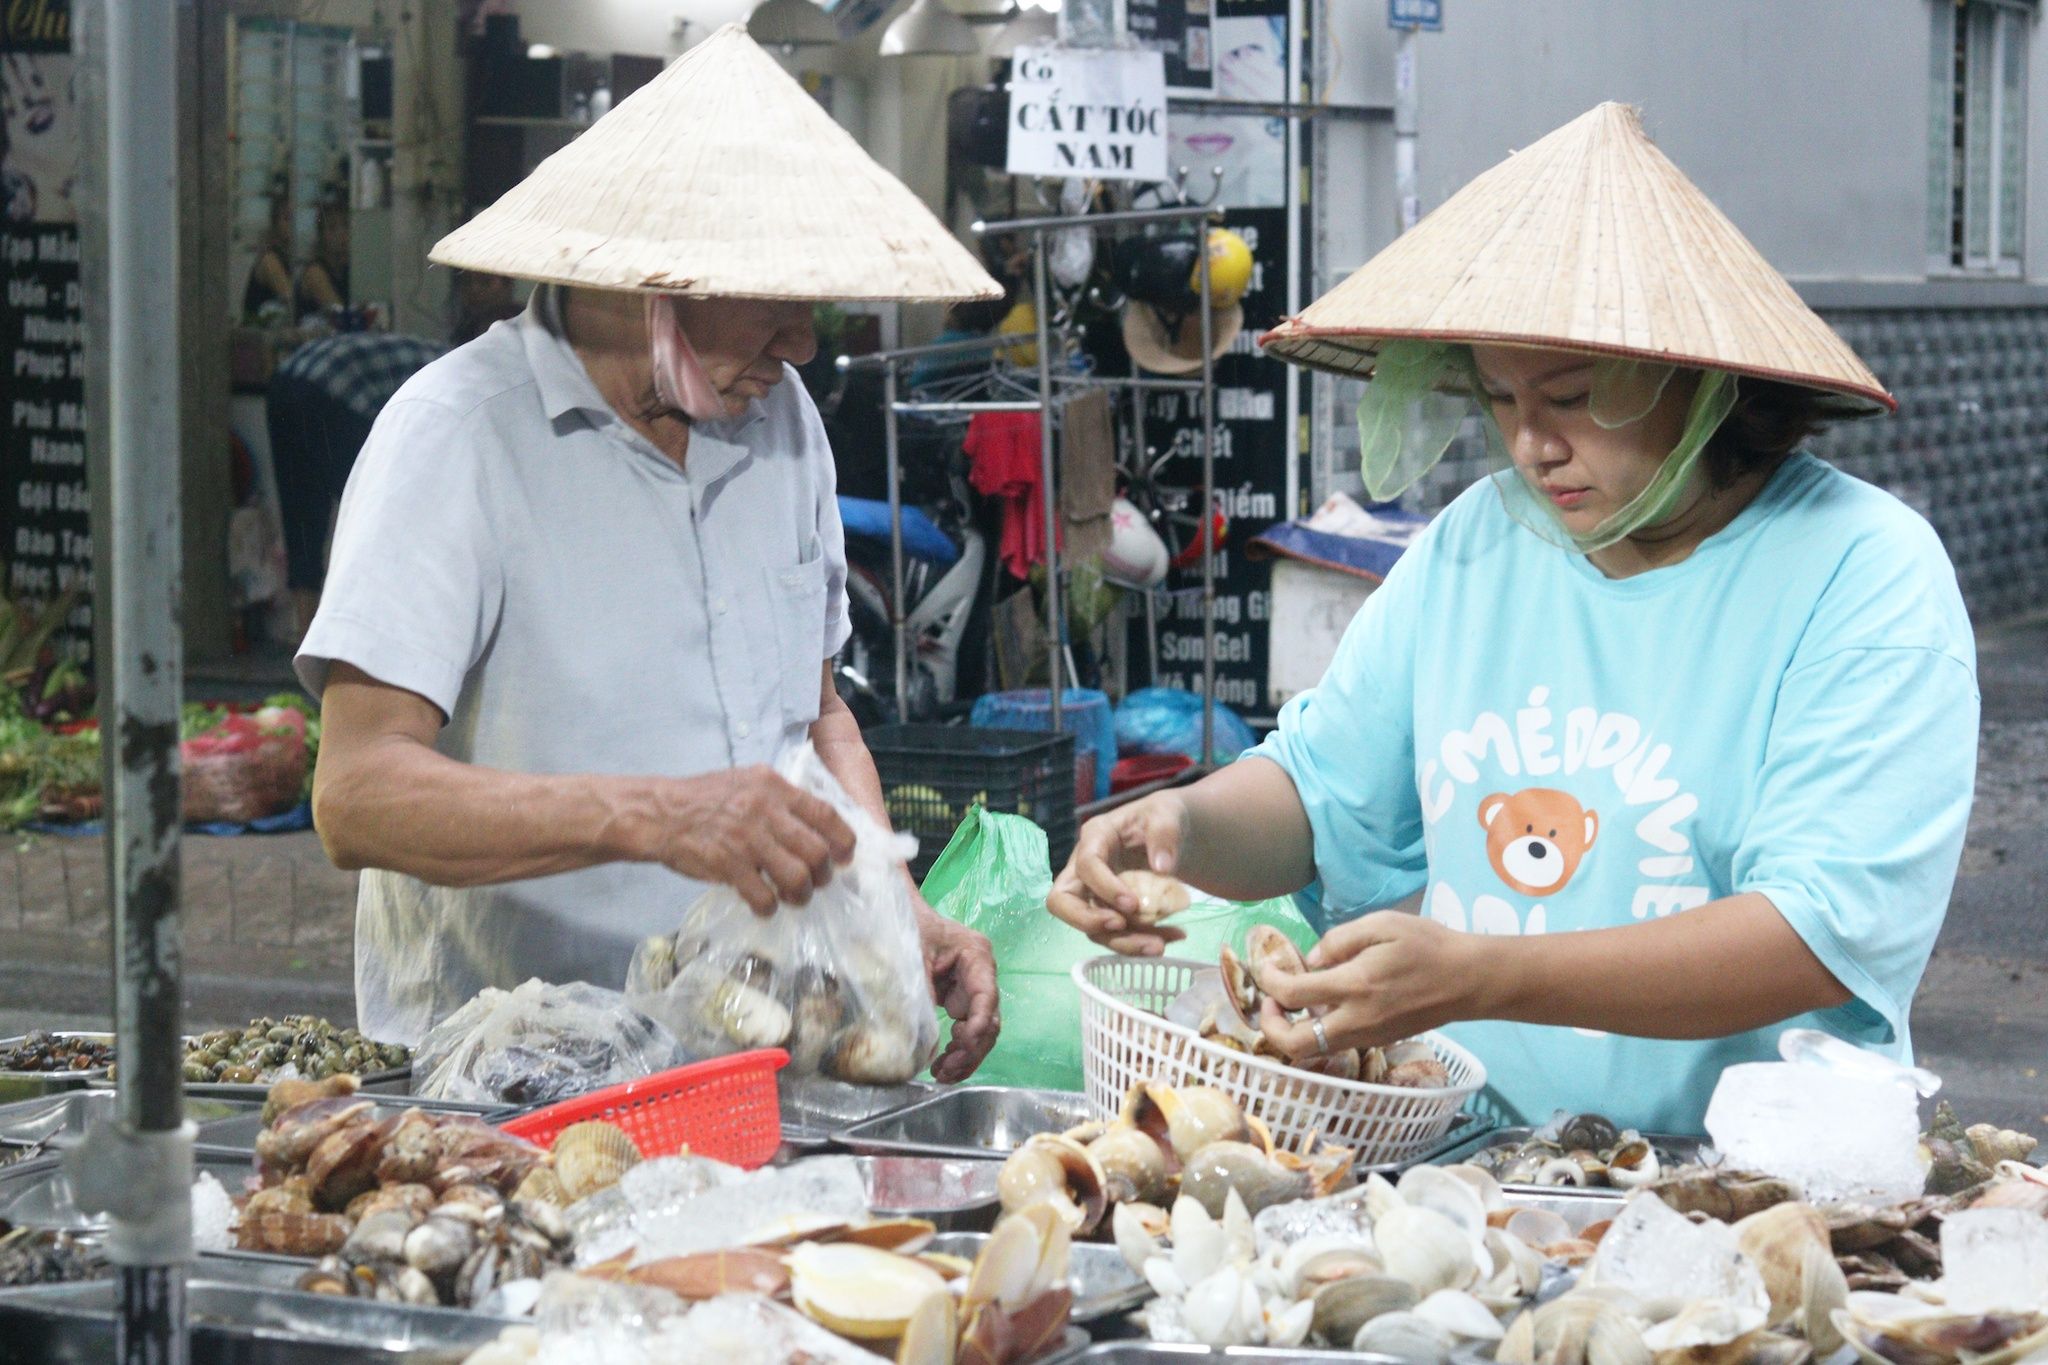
(1423, 14)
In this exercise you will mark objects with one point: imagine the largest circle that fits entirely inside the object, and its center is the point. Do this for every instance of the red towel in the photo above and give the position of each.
(1002, 448)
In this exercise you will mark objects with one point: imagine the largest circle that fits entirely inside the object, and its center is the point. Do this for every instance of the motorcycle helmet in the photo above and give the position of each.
(1136, 557)
(1162, 322)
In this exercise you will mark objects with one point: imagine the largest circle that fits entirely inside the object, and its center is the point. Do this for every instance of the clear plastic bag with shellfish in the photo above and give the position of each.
(539, 1043)
(839, 981)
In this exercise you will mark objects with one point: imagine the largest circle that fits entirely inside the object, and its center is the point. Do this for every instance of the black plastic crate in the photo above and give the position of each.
(932, 774)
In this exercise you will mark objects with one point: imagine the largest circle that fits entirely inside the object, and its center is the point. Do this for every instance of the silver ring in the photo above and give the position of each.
(1315, 1025)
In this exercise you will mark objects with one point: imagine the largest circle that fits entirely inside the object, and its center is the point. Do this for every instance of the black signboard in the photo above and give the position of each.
(45, 514)
(1179, 29)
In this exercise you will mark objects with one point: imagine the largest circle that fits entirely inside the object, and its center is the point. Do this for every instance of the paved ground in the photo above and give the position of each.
(270, 920)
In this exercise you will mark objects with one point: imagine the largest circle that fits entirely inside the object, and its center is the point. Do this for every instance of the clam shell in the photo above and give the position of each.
(1159, 896)
(930, 1335)
(1776, 1241)
(1491, 1197)
(1408, 1336)
(707, 1274)
(858, 1291)
(1426, 1249)
(1343, 1307)
(1433, 1187)
(1538, 1227)
(1461, 1315)
(592, 1156)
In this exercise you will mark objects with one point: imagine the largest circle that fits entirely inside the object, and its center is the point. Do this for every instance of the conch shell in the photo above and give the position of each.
(1058, 1171)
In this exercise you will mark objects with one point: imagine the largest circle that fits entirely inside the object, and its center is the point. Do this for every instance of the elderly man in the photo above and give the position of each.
(588, 576)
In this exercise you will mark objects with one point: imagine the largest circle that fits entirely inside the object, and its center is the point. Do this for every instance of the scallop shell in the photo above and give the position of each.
(542, 1185)
(1426, 1249)
(592, 1156)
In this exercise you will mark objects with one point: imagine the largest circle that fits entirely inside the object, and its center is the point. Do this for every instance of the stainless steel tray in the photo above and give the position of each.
(1578, 1207)
(60, 1121)
(1104, 1283)
(816, 1108)
(23, 1085)
(238, 1131)
(37, 1194)
(968, 1121)
(956, 1193)
(72, 1324)
(1672, 1150)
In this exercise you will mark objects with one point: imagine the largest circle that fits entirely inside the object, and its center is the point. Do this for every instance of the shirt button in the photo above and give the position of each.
(745, 729)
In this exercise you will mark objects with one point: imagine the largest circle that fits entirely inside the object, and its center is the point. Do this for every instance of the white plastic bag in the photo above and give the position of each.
(540, 1043)
(839, 981)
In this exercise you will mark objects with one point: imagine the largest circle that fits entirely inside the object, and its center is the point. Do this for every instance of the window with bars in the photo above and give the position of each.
(1977, 134)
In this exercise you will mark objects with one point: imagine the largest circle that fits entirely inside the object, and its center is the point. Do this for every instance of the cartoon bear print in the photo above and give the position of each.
(1536, 837)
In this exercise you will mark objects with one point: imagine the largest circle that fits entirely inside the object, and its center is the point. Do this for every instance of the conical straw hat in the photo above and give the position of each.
(1589, 240)
(720, 177)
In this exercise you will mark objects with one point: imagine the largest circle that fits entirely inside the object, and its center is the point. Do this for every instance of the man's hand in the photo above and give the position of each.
(1089, 895)
(1374, 981)
(962, 968)
(749, 829)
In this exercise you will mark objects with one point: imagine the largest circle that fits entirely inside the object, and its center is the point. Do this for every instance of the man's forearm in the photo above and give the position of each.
(400, 805)
(835, 734)
(1725, 967)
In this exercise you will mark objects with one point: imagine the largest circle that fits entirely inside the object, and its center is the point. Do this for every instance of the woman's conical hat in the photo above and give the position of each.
(720, 177)
(1589, 240)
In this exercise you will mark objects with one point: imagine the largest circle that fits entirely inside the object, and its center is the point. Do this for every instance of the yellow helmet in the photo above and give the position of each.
(1021, 320)
(1230, 268)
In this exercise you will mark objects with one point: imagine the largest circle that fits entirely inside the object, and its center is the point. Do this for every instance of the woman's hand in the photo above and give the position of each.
(1374, 981)
(1089, 895)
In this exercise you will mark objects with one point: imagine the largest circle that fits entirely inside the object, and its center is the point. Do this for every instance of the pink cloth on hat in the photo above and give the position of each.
(679, 378)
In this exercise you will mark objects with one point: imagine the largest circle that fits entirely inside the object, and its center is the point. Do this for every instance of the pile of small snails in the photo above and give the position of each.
(313, 1047)
(43, 1050)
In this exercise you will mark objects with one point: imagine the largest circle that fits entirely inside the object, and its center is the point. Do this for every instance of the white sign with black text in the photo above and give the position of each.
(1098, 113)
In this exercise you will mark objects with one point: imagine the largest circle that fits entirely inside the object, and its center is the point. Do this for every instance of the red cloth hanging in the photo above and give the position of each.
(1004, 464)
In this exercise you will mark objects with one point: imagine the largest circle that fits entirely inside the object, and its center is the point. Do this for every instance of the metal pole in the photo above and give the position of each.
(1407, 199)
(1056, 617)
(896, 617)
(139, 1169)
(1208, 511)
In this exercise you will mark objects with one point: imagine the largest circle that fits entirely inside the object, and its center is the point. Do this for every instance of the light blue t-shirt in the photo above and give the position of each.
(1791, 710)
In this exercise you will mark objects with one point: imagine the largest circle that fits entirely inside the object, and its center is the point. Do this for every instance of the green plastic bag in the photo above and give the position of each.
(993, 877)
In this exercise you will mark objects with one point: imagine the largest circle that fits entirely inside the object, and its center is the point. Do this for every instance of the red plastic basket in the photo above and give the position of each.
(725, 1108)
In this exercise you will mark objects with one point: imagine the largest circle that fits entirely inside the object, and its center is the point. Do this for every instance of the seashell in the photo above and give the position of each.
(1200, 1245)
(1087, 1134)
(1432, 1187)
(294, 1091)
(749, 1017)
(1223, 1309)
(857, 1291)
(1240, 987)
(1343, 1307)
(873, 1053)
(1159, 896)
(1137, 1232)
(1426, 1249)
(1588, 1132)
(1407, 1336)
(904, 1236)
(1329, 1265)
(289, 1233)
(287, 1196)
(291, 1137)
(1461, 1315)
(1195, 1116)
(1054, 1170)
(380, 1236)
(1289, 1327)
(707, 1274)
(932, 1332)
(1633, 1165)
(1006, 1271)
(542, 1185)
(1221, 1168)
(344, 1164)
(1483, 1183)
(1518, 1267)
(1776, 1241)
(1423, 1073)
(1537, 1227)
(592, 1156)
(819, 1015)
(1614, 1339)
(1518, 1345)
(1166, 1282)
(439, 1246)
(1380, 1196)
(1560, 1170)
(1133, 1163)
(950, 1266)
(1706, 1322)
(1997, 1145)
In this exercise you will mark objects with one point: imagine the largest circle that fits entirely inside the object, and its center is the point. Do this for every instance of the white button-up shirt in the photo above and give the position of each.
(573, 602)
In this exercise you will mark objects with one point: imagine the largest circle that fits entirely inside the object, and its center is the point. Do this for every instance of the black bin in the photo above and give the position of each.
(932, 774)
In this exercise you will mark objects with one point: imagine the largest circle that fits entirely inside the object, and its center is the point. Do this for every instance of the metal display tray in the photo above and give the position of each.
(1103, 1283)
(1672, 1150)
(814, 1109)
(243, 1324)
(390, 1081)
(957, 1194)
(968, 1121)
(58, 1121)
(38, 1194)
(25, 1085)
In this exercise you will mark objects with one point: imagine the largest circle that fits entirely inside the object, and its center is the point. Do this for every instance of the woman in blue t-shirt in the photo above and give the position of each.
(1666, 728)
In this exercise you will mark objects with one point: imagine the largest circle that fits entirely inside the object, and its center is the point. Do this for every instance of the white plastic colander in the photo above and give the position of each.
(1125, 1039)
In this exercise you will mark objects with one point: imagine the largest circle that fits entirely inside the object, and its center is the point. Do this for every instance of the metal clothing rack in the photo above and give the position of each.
(1049, 383)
